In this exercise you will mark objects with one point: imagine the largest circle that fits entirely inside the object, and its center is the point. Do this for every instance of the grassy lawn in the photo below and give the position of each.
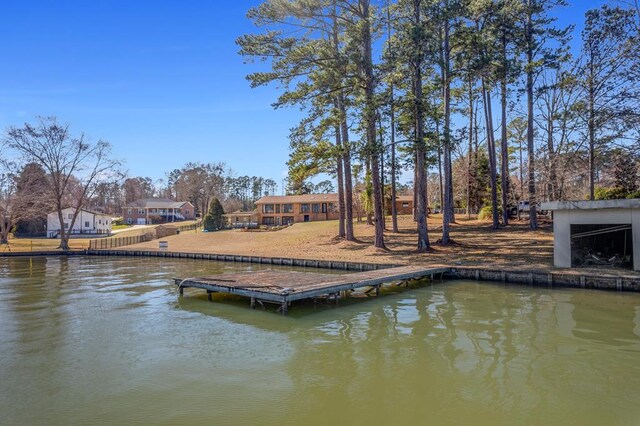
(41, 244)
(51, 244)
(475, 243)
(119, 227)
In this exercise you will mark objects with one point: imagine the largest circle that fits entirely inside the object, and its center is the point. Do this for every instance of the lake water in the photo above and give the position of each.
(109, 341)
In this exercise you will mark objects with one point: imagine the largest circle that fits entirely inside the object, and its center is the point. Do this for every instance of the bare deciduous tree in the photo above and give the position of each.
(73, 164)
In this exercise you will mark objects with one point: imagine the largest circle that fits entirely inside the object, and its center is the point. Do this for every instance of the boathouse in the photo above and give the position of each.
(603, 233)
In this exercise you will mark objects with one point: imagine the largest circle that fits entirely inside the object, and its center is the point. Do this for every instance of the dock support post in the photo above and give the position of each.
(253, 303)
(181, 290)
(378, 290)
(284, 308)
(209, 295)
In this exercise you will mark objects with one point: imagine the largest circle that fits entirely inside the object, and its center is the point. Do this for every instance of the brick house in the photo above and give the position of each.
(288, 209)
(157, 210)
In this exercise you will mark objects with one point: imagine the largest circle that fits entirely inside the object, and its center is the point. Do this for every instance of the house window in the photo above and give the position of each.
(287, 220)
(186, 212)
(129, 211)
(304, 208)
(405, 205)
(268, 221)
(70, 216)
(99, 221)
(140, 211)
(66, 224)
(332, 207)
(315, 208)
(86, 224)
(287, 208)
(277, 208)
(268, 208)
(129, 221)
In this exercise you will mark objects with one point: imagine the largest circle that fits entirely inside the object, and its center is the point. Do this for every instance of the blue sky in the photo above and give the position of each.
(162, 80)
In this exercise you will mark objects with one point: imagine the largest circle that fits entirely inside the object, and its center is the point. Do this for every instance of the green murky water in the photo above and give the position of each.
(108, 341)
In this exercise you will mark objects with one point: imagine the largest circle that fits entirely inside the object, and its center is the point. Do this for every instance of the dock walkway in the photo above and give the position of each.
(284, 287)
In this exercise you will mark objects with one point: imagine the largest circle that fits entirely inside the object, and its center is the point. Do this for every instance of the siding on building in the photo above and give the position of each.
(157, 210)
(87, 222)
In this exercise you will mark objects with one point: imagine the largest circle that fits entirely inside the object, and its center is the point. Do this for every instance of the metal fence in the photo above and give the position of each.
(107, 243)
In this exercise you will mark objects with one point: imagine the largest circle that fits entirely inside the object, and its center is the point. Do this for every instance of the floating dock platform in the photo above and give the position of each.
(284, 287)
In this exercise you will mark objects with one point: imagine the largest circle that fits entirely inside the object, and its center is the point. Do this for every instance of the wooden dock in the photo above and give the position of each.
(284, 287)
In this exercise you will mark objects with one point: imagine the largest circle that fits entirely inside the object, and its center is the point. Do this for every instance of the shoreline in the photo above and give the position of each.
(597, 279)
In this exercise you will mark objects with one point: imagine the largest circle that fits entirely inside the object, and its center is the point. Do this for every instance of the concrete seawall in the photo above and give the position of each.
(564, 278)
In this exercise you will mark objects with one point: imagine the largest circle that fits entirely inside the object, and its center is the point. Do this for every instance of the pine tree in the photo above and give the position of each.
(214, 219)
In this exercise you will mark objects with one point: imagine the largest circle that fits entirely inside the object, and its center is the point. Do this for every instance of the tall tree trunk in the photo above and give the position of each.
(592, 134)
(448, 215)
(382, 189)
(491, 147)
(470, 150)
(394, 207)
(553, 172)
(440, 179)
(392, 116)
(348, 175)
(345, 147)
(504, 147)
(64, 237)
(341, 200)
(421, 179)
(415, 188)
(533, 216)
(476, 154)
(369, 195)
(370, 120)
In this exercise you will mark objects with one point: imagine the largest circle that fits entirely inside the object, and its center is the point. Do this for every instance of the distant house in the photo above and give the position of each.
(157, 210)
(404, 204)
(242, 219)
(287, 209)
(87, 222)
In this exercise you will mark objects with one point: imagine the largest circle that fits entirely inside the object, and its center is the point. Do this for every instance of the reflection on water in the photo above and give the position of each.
(97, 340)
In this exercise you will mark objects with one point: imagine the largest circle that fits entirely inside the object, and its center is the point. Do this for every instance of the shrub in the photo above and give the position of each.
(614, 193)
(485, 213)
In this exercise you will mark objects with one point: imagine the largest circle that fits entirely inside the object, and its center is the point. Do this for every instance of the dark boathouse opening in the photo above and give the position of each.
(602, 245)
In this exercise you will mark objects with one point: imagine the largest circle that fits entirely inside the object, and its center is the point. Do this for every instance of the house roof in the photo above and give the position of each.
(83, 210)
(239, 213)
(633, 203)
(404, 197)
(156, 203)
(291, 199)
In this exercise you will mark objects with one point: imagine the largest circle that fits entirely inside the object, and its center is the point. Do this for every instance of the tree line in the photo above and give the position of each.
(484, 101)
(45, 167)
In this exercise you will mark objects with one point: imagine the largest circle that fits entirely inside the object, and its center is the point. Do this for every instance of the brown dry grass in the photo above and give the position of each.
(475, 243)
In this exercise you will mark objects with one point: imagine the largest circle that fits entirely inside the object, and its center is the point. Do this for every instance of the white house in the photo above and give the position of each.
(596, 233)
(87, 222)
